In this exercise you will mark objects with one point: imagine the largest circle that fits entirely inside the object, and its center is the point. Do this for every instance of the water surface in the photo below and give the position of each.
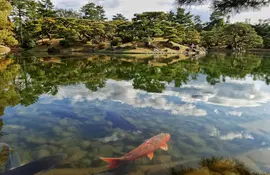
(92, 106)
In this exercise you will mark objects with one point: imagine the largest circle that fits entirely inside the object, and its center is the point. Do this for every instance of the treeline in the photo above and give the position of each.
(34, 21)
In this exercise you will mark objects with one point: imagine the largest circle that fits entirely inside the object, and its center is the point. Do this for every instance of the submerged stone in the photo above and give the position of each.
(41, 153)
(106, 150)
(63, 122)
(85, 144)
(57, 129)
(164, 158)
(77, 155)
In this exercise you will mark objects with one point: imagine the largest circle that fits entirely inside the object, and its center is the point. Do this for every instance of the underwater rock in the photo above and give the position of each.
(78, 155)
(96, 118)
(85, 144)
(164, 158)
(130, 147)
(66, 141)
(8, 157)
(53, 149)
(25, 156)
(41, 153)
(106, 151)
(72, 129)
(66, 134)
(114, 137)
(9, 138)
(119, 122)
(63, 122)
(87, 162)
(72, 150)
(196, 140)
(36, 140)
(96, 144)
(118, 149)
(57, 129)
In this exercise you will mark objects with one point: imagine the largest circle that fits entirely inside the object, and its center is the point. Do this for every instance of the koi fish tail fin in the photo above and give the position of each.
(113, 162)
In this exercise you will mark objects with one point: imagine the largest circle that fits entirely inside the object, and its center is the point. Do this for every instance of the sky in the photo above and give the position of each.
(130, 7)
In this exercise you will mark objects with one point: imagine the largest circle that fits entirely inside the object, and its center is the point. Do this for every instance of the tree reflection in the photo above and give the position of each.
(9, 96)
(25, 83)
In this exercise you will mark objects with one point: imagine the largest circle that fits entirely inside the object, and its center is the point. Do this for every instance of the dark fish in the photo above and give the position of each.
(119, 122)
(43, 164)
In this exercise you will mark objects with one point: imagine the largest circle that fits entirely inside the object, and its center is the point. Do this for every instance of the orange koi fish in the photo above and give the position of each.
(145, 149)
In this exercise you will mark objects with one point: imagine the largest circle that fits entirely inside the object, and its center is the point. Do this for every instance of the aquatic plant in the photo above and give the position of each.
(215, 165)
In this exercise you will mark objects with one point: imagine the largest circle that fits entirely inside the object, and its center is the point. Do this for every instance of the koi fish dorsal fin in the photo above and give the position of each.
(164, 147)
(150, 156)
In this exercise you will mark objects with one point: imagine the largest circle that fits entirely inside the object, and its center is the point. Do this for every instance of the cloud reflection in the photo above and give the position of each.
(122, 91)
(230, 93)
(231, 135)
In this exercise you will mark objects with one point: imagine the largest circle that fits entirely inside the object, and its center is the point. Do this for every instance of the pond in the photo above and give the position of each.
(105, 106)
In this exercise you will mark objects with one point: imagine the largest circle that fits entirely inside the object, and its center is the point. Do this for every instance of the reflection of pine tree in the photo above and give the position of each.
(38, 78)
(8, 93)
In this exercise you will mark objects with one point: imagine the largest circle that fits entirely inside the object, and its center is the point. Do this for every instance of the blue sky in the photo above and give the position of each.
(129, 7)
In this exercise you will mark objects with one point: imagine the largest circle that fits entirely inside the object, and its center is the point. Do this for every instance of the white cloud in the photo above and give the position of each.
(230, 136)
(235, 113)
(126, 7)
(130, 7)
(232, 93)
(253, 15)
(122, 91)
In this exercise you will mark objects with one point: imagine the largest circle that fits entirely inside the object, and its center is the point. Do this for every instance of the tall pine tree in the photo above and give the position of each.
(46, 9)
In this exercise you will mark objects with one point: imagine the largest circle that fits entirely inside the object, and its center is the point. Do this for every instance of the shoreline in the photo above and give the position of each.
(121, 52)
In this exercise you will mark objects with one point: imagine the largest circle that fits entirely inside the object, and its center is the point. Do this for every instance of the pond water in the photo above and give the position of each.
(93, 106)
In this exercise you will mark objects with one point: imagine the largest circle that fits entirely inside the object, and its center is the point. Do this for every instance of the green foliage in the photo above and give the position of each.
(119, 17)
(213, 37)
(242, 36)
(101, 45)
(92, 11)
(198, 23)
(238, 36)
(8, 93)
(192, 36)
(6, 34)
(45, 8)
(29, 44)
(263, 29)
(181, 17)
(67, 13)
(116, 41)
(216, 21)
(65, 43)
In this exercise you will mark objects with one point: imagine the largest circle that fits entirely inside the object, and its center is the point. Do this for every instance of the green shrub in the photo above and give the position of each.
(65, 43)
(115, 42)
(101, 46)
(28, 44)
